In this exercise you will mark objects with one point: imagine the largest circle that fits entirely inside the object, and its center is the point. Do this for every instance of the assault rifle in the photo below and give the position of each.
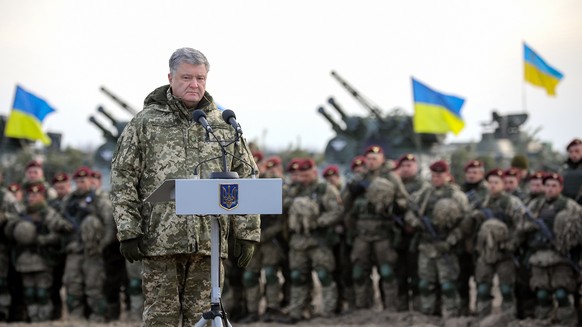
(548, 235)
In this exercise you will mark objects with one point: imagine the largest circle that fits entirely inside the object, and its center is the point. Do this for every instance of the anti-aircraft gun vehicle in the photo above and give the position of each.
(104, 153)
(394, 131)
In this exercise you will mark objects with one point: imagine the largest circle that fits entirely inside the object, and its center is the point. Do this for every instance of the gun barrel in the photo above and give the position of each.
(334, 125)
(106, 133)
(375, 111)
(108, 115)
(122, 103)
(338, 108)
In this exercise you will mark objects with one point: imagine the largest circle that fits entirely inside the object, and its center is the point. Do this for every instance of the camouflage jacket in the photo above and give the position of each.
(9, 209)
(415, 185)
(35, 248)
(163, 142)
(77, 208)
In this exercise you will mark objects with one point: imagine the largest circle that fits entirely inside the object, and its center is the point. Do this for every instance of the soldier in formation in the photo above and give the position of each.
(441, 209)
(36, 243)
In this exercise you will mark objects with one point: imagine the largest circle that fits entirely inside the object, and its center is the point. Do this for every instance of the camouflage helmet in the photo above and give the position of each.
(381, 193)
(25, 232)
(446, 212)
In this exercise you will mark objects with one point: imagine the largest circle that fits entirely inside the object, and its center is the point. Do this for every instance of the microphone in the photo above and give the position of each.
(200, 117)
(229, 117)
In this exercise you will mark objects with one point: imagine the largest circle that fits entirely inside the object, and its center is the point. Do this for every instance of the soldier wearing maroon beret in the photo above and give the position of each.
(444, 207)
(331, 174)
(511, 179)
(475, 187)
(358, 165)
(535, 184)
(273, 167)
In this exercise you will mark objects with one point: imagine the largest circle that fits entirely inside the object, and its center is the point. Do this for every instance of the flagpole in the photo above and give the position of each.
(523, 86)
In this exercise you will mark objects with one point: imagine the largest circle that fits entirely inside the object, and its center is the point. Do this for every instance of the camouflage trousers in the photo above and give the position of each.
(84, 278)
(268, 257)
(37, 296)
(557, 281)
(484, 272)
(176, 289)
(5, 298)
(365, 253)
(440, 272)
(302, 263)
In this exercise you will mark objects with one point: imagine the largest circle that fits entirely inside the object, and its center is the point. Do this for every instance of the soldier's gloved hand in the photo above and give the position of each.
(130, 249)
(243, 251)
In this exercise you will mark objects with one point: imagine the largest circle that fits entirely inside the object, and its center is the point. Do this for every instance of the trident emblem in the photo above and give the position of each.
(228, 196)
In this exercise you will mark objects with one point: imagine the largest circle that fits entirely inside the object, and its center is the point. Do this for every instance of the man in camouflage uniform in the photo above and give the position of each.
(268, 257)
(8, 210)
(62, 186)
(475, 187)
(33, 172)
(496, 220)
(553, 234)
(524, 295)
(37, 241)
(406, 266)
(163, 142)
(441, 209)
(94, 229)
(315, 210)
(377, 197)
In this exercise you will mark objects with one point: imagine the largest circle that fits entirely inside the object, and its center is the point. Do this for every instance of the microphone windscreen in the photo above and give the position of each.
(227, 115)
(197, 114)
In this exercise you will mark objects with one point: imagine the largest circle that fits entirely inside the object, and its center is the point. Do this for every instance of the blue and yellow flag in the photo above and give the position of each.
(26, 117)
(435, 112)
(539, 73)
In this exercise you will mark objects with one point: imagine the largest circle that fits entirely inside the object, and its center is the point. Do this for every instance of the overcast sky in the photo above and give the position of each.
(271, 60)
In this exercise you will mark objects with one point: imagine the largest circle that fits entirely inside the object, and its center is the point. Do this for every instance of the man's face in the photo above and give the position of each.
(306, 177)
(408, 169)
(188, 83)
(575, 152)
(439, 179)
(96, 182)
(495, 184)
(83, 184)
(474, 175)
(333, 180)
(62, 188)
(374, 160)
(34, 198)
(536, 186)
(553, 188)
(33, 174)
(359, 169)
(511, 183)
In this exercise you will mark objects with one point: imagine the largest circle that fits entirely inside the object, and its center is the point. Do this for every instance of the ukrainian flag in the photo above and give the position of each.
(435, 112)
(539, 73)
(26, 117)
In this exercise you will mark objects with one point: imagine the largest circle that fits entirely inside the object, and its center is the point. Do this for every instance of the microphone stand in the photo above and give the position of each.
(217, 314)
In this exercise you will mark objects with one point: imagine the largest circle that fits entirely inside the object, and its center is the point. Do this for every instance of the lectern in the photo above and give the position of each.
(215, 197)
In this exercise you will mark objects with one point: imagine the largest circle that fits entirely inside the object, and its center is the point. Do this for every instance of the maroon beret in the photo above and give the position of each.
(273, 161)
(511, 172)
(293, 165)
(537, 175)
(306, 164)
(35, 188)
(373, 149)
(258, 156)
(82, 172)
(14, 187)
(96, 174)
(439, 166)
(554, 176)
(60, 177)
(357, 162)
(331, 170)
(495, 172)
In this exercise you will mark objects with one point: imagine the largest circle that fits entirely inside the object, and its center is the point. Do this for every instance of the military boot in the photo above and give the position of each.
(363, 295)
(299, 296)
